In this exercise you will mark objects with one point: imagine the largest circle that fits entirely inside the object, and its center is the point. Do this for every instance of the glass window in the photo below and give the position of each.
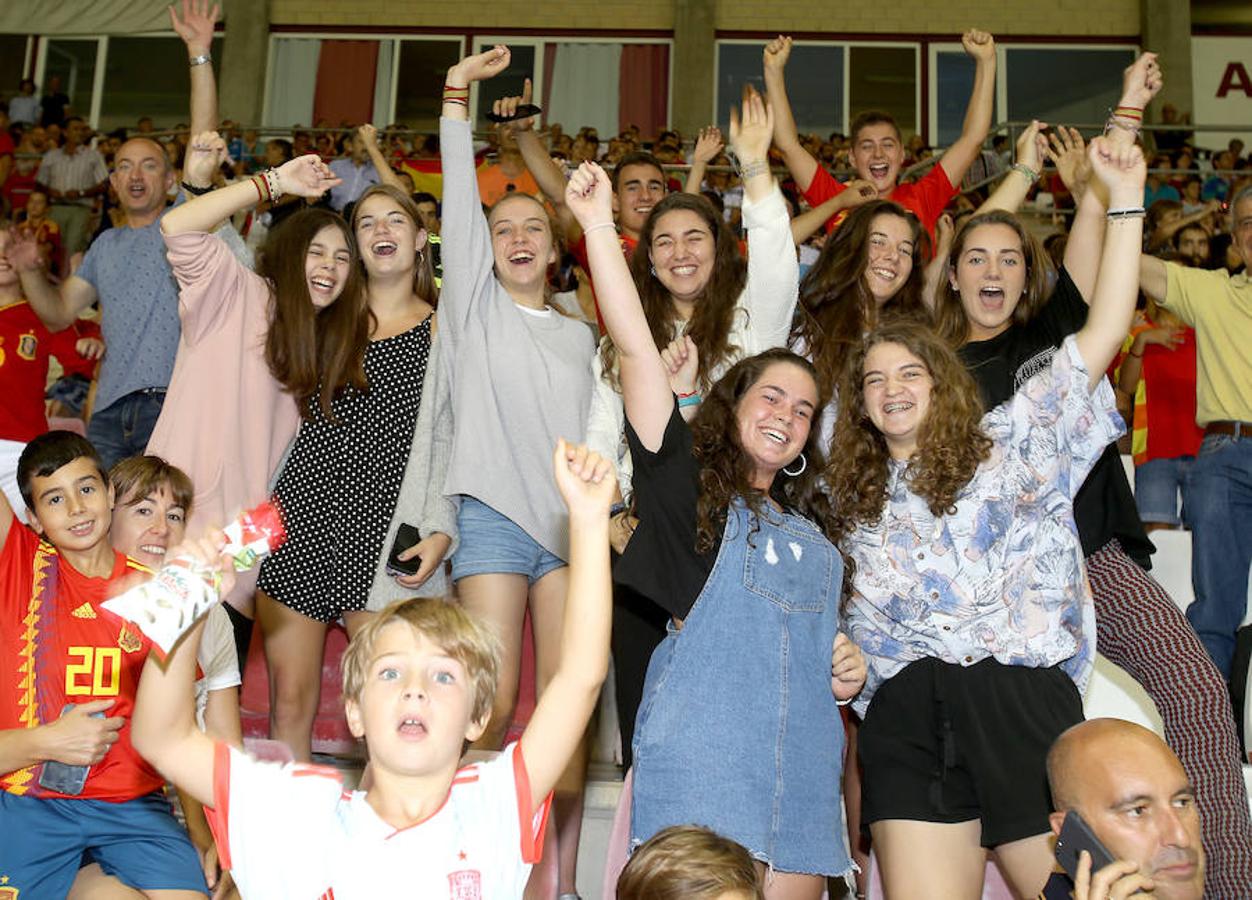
(73, 61)
(507, 84)
(12, 61)
(814, 83)
(885, 79)
(148, 76)
(954, 80)
(420, 77)
(1059, 86)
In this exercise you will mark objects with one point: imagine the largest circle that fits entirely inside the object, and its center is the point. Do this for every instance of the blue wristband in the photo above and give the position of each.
(690, 400)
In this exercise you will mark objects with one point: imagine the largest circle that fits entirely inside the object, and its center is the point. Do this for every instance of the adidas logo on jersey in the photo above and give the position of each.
(84, 612)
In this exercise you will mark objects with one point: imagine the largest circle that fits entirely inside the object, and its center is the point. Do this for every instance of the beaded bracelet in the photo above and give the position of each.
(754, 168)
(1030, 174)
(272, 185)
(597, 227)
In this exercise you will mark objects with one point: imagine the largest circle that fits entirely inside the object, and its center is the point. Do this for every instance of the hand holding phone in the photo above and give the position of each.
(80, 738)
(407, 536)
(1076, 836)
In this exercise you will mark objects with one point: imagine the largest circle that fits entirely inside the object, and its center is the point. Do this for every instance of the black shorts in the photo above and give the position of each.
(943, 743)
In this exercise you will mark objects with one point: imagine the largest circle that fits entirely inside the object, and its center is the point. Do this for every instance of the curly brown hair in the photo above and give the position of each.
(726, 471)
(950, 319)
(714, 313)
(950, 445)
(836, 307)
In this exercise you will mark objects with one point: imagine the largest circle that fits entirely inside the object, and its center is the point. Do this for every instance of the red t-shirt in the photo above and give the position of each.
(25, 346)
(926, 197)
(579, 251)
(1168, 407)
(59, 646)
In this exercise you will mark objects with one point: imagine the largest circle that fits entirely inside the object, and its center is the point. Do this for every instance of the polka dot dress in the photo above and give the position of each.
(340, 485)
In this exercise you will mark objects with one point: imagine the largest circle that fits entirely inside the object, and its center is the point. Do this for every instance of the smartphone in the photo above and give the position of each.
(61, 777)
(406, 537)
(1076, 835)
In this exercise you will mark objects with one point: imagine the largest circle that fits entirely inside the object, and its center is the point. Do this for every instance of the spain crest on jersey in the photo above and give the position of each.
(465, 885)
(27, 344)
(7, 892)
(128, 641)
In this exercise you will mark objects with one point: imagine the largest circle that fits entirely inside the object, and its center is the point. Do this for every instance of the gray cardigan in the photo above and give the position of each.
(422, 502)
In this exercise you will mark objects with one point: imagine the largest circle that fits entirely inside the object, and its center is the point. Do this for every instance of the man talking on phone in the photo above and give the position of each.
(1134, 805)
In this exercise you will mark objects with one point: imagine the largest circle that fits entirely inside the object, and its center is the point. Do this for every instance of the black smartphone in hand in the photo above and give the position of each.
(406, 537)
(1076, 836)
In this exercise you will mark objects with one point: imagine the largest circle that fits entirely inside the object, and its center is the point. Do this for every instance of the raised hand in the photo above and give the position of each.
(847, 668)
(777, 52)
(858, 192)
(80, 739)
(204, 156)
(196, 24)
(507, 106)
(1120, 168)
(22, 251)
(368, 134)
(979, 44)
(480, 66)
(751, 127)
(306, 176)
(585, 480)
(589, 196)
(1031, 145)
(682, 361)
(1141, 81)
(708, 145)
(1069, 154)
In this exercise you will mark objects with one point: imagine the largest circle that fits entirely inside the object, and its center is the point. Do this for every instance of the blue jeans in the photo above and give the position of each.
(1159, 485)
(1219, 513)
(123, 427)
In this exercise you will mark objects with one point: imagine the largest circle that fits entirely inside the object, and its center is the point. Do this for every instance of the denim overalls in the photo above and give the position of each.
(738, 730)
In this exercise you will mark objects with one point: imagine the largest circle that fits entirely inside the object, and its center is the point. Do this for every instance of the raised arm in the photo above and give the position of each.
(547, 173)
(799, 161)
(751, 129)
(587, 486)
(163, 726)
(305, 176)
(960, 156)
(1011, 192)
(386, 174)
(1141, 81)
(708, 145)
(56, 307)
(1121, 169)
(195, 26)
(646, 391)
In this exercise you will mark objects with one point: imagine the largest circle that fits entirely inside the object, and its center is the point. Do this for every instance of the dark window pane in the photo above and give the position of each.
(12, 58)
(419, 81)
(149, 77)
(814, 84)
(885, 79)
(75, 62)
(1070, 85)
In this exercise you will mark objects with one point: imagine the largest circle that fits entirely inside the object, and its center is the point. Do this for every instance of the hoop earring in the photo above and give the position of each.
(804, 464)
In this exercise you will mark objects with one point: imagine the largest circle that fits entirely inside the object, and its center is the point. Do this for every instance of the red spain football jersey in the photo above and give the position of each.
(59, 646)
(25, 346)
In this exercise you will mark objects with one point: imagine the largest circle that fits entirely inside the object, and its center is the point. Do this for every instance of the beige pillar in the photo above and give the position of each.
(241, 92)
(694, 64)
(1166, 28)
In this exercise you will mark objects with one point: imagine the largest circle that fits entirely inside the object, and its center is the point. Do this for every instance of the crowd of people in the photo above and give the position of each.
(821, 451)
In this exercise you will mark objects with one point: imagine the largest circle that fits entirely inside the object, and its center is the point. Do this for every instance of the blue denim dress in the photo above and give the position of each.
(738, 730)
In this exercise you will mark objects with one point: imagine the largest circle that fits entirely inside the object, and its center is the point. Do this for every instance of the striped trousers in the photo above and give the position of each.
(1139, 628)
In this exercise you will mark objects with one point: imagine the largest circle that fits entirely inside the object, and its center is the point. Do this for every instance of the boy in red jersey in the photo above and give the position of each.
(69, 673)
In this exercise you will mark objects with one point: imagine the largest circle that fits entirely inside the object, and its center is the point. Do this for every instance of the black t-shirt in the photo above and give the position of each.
(1105, 507)
(661, 561)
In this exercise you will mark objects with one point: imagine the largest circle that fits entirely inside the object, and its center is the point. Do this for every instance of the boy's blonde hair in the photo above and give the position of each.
(686, 862)
(446, 624)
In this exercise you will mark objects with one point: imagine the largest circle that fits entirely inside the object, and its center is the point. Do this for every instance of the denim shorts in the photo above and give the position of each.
(1160, 489)
(493, 544)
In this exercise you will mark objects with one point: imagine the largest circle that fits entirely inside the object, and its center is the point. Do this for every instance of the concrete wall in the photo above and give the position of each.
(1070, 17)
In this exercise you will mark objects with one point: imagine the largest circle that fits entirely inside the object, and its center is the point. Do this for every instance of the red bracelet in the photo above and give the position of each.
(459, 100)
(255, 179)
(688, 394)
